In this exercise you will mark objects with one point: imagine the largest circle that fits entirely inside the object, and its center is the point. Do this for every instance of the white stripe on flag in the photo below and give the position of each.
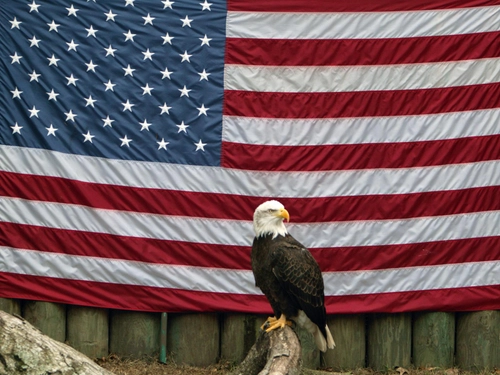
(268, 25)
(240, 233)
(339, 131)
(251, 183)
(306, 79)
(30, 262)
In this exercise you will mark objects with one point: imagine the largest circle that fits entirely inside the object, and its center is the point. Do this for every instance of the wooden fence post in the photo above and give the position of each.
(433, 339)
(478, 340)
(48, 317)
(134, 334)
(310, 353)
(88, 330)
(10, 306)
(238, 334)
(389, 341)
(349, 333)
(193, 339)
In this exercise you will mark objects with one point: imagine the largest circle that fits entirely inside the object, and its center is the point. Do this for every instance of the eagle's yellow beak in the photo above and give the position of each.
(284, 214)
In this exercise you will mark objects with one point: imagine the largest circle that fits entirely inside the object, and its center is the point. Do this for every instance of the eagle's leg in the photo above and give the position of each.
(278, 323)
(270, 320)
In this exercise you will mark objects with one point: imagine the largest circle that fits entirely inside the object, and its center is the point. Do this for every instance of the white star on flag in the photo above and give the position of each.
(88, 137)
(90, 101)
(110, 51)
(202, 110)
(167, 39)
(200, 146)
(186, 21)
(72, 11)
(16, 128)
(107, 121)
(146, 89)
(205, 40)
(51, 130)
(167, 4)
(53, 26)
(166, 73)
(91, 31)
(206, 5)
(182, 127)
(91, 66)
(204, 75)
(109, 85)
(70, 116)
(164, 109)
(162, 144)
(16, 93)
(184, 91)
(145, 125)
(127, 106)
(148, 19)
(148, 55)
(128, 71)
(33, 112)
(16, 58)
(185, 56)
(129, 36)
(71, 80)
(125, 141)
(52, 95)
(72, 45)
(15, 23)
(33, 6)
(34, 41)
(34, 76)
(110, 16)
(52, 60)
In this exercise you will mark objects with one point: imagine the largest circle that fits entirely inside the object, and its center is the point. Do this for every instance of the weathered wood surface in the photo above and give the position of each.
(478, 340)
(24, 350)
(48, 317)
(389, 341)
(88, 330)
(433, 339)
(134, 334)
(193, 339)
(11, 306)
(238, 334)
(349, 333)
(275, 353)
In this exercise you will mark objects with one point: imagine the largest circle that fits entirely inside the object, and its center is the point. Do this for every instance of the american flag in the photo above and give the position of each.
(138, 136)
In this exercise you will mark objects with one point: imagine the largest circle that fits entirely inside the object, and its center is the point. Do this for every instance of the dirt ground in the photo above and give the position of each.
(153, 367)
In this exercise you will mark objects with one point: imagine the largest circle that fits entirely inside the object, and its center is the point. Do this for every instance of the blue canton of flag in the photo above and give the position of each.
(137, 80)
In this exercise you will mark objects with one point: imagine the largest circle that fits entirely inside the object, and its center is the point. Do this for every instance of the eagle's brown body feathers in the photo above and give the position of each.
(290, 278)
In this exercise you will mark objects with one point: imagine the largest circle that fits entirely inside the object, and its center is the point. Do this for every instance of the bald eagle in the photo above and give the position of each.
(288, 275)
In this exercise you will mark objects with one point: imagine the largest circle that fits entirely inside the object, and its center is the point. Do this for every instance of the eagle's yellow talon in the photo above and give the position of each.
(278, 323)
(270, 320)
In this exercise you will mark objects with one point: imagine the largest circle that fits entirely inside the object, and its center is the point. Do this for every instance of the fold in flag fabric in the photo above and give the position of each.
(137, 138)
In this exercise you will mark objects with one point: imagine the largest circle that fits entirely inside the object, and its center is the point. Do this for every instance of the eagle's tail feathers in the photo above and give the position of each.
(319, 339)
(329, 338)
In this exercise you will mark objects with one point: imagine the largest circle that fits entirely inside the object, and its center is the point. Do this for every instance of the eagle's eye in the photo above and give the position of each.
(271, 210)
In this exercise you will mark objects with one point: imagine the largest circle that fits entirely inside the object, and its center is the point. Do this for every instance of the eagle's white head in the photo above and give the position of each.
(268, 219)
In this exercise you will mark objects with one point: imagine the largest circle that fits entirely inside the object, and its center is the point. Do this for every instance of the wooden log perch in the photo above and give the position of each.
(275, 353)
(25, 350)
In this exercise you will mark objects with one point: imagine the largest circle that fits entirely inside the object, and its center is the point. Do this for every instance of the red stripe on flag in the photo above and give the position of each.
(360, 156)
(54, 240)
(337, 259)
(128, 297)
(351, 6)
(325, 209)
(295, 52)
(361, 103)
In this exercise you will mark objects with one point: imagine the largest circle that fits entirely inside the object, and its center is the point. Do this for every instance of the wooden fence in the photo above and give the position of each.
(470, 341)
